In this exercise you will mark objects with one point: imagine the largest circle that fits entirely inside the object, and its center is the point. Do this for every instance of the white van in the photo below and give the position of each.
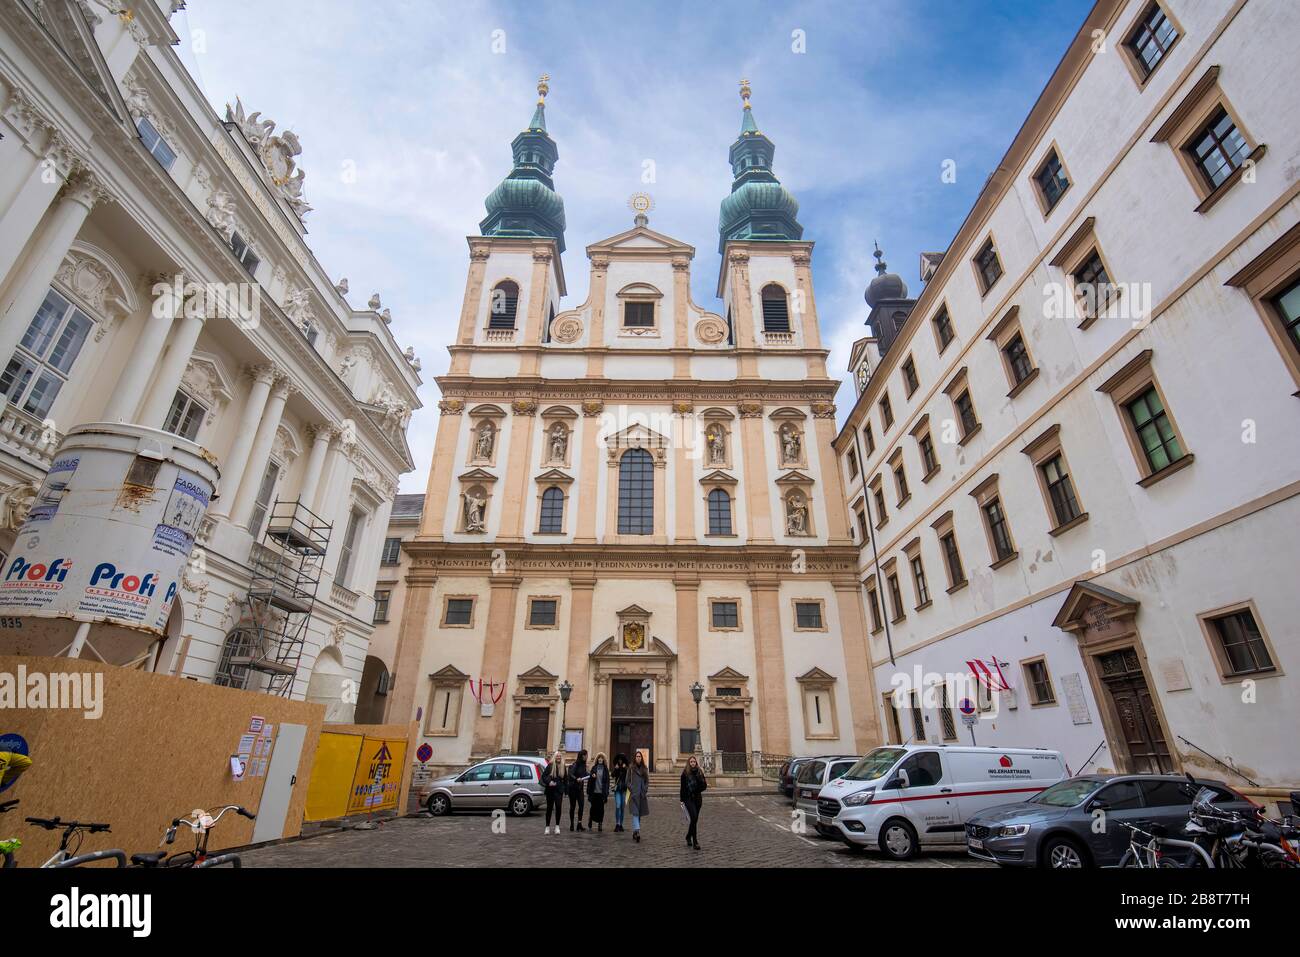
(901, 798)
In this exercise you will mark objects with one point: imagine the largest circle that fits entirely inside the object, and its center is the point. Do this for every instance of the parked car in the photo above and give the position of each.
(901, 798)
(814, 775)
(789, 771)
(514, 783)
(1057, 827)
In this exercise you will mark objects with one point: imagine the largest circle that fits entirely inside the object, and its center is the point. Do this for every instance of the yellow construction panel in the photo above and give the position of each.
(331, 776)
(378, 776)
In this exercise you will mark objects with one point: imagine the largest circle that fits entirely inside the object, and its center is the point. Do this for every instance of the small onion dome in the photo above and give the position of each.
(886, 285)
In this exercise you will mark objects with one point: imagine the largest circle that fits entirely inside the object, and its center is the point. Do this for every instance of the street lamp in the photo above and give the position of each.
(565, 689)
(697, 692)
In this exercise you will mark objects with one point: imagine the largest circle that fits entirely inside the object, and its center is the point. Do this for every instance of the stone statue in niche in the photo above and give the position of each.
(796, 515)
(485, 442)
(791, 444)
(559, 442)
(475, 509)
(716, 437)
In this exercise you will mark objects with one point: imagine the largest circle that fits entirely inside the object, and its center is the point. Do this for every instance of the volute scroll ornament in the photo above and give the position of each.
(567, 330)
(711, 330)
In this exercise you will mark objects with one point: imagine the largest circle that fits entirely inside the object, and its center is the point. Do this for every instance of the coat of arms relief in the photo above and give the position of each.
(276, 151)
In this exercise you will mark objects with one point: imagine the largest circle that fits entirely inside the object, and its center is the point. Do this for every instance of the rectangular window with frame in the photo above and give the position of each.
(639, 315)
(886, 414)
(1218, 148)
(878, 494)
(262, 504)
(185, 416)
(1060, 490)
(862, 524)
(910, 382)
(724, 615)
(1151, 38)
(869, 440)
(244, 253)
(343, 572)
(1093, 290)
(1287, 305)
(155, 144)
(808, 616)
(966, 413)
(929, 460)
(999, 531)
(919, 581)
(945, 713)
(895, 597)
(1240, 644)
(1052, 181)
(543, 612)
(382, 599)
(943, 328)
(873, 607)
(853, 463)
(952, 559)
(900, 479)
(43, 361)
(458, 612)
(988, 266)
(1038, 682)
(392, 553)
(1155, 432)
(1018, 359)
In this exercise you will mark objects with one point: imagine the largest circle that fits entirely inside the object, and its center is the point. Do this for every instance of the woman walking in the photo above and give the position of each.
(598, 793)
(553, 785)
(577, 788)
(692, 794)
(619, 777)
(638, 793)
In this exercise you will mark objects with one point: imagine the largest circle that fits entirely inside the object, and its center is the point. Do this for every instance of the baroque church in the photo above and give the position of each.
(634, 535)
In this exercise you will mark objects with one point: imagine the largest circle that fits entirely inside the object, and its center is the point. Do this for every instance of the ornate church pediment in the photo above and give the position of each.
(1092, 607)
(448, 675)
(641, 239)
(815, 676)
(718, 477)
(654, 649)
(554, 477)
(538, 673)
(795, 477)
(728, 674)
(477, 475)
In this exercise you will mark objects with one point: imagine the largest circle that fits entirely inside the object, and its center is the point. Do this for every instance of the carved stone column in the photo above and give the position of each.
(444, 465)
(758, 498)
(236, 461)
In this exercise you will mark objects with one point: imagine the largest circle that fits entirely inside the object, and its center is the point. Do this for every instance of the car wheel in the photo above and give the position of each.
(438, 805)
(898, 839)
(1062, 853)
(520, 805)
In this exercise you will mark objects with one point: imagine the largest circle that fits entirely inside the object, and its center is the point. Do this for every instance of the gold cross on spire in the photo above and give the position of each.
(543, 87)
(745, 92)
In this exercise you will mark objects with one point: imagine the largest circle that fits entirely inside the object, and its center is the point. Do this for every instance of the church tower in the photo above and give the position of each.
(634, 536)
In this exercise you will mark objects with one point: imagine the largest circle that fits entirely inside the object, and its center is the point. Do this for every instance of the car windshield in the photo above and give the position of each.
(874, 765)
(1069, 793)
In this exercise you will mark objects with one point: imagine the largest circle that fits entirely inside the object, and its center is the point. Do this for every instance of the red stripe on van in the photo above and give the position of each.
(957, 794)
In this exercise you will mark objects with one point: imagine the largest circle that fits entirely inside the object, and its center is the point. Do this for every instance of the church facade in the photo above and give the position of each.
(635, 533)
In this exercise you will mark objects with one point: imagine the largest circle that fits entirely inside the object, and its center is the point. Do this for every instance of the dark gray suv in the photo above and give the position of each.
(1055, 828)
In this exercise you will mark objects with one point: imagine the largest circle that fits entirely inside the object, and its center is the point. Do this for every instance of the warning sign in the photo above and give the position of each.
(378, 776)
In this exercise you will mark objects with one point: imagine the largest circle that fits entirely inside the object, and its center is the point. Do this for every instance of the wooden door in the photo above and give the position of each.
(534, 723)
(1135, 712)
(729, 724)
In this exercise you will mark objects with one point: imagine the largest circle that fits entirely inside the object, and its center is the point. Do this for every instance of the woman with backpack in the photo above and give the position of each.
(598, 793)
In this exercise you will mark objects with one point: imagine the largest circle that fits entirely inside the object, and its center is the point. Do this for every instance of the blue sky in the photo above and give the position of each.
(421, 100)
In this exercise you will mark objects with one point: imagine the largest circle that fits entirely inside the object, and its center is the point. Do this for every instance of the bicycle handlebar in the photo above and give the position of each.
(54, 823)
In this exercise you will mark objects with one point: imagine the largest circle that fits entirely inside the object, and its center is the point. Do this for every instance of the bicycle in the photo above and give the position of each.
(9, 846)
(67, 856)
(200, 823)
(1237, 840)
(1152, 853)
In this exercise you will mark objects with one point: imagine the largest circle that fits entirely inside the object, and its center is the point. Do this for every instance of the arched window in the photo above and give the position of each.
(552, 520)
(776, 309)
(503, 305)
(636, 493)
(719, 512)
(241, 644)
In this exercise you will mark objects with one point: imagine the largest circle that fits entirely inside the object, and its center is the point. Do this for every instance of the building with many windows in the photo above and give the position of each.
(634, 533)
(154, 270)
(1074, 465)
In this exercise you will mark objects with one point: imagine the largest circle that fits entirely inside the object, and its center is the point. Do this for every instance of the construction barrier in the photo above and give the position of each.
(359, 769)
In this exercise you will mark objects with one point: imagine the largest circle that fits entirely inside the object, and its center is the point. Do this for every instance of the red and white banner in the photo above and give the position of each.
(989, 674)
(476, 689)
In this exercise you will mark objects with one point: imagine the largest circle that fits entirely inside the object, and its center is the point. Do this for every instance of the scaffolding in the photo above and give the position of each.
(286, 568)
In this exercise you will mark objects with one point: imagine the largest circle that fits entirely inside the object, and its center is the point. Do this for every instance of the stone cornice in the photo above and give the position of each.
(505, 389)
(758, 564)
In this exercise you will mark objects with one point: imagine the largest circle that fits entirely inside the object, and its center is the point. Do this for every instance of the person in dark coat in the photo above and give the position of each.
(638, 793)
(598, 792)
(577, 778)
(618, 774)
(692, 794)
(553, 785)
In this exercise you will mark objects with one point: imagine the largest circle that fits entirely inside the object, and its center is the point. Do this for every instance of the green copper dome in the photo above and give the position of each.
(526, 205)
(759, 207)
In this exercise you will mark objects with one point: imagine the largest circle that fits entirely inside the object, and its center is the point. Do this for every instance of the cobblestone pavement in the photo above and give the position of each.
(735, 831)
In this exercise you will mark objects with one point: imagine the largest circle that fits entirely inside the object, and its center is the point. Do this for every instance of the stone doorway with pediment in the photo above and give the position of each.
(632, 674)
(537, 712)
(1104, 624)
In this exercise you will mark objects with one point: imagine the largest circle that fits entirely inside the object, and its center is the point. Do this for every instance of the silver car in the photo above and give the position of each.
(815, 775)
(513, 783)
